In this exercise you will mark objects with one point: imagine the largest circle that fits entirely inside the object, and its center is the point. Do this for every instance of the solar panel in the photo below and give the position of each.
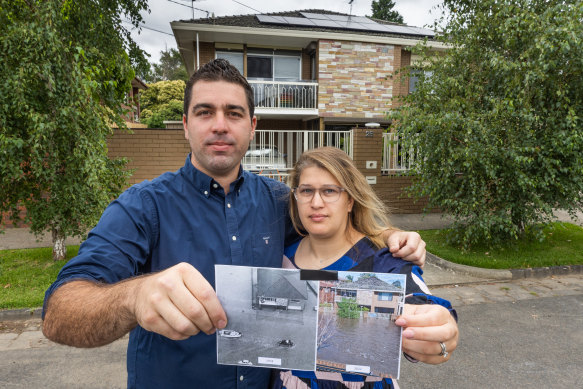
(311, 15)
(362, 19)
(359, 23)
(326, 23)
(299, 21)
(271, 19)
(338, 18)
(354, 26)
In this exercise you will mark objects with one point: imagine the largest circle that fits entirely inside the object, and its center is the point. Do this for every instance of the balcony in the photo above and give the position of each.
(279, 99)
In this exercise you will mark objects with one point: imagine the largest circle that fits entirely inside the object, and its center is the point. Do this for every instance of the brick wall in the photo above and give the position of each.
(355, 79)
(206, 51)
(368, 145)
(151, 152)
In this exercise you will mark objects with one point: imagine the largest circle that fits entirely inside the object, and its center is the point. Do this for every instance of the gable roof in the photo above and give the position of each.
(286, 286)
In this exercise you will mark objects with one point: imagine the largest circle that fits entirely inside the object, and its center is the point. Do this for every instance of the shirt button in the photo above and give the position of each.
(241, 378)
(234, 237)
(206, 193)
(215, 186)
(228, 205)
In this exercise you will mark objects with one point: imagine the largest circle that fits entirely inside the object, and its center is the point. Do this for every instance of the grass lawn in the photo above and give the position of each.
(563, 246)
(26, 274)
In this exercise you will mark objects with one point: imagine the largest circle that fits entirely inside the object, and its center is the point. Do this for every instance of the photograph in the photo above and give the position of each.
(356, 325)
(272, 318)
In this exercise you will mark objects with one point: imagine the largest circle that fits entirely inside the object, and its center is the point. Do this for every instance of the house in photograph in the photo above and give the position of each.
(281, 290)
(326, 295)
(371, 294)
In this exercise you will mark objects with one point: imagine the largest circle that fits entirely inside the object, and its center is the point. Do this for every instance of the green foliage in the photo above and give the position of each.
(383, 9)
(26, 274)
(562, 245)
(64, 75)
(162, 100)
(348, 308)
(169, 68)
(498, 124)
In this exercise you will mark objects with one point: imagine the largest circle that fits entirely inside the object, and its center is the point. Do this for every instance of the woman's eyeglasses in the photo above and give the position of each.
(328, 193)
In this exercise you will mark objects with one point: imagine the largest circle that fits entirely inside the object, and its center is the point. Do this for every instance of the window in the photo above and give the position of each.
(276, 65)
(259, 67)
(346, 293)
(384, 310)
(234, 57)
(414, 78)
(384, 296)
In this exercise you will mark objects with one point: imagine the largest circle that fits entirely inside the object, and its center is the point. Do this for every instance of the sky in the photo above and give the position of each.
(415, 13)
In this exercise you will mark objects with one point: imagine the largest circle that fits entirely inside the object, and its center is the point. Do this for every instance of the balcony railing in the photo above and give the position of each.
(285, 95)
(395, 158)
(274, 153)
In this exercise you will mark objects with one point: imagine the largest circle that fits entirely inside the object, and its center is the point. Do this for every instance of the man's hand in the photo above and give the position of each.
(178, 303)
(407, 245)
(424, 327)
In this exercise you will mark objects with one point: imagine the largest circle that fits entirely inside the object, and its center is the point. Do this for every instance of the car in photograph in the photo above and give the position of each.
(263, 159)
(245, 362)
(286, 343)
(229, 334)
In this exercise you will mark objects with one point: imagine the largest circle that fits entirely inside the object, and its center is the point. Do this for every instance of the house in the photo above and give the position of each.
(133, 103)
(318, 77)
(371, 293)
(311, 69)
(281, 290)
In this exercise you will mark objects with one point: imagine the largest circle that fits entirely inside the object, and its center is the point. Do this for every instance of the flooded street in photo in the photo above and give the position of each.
(261, 333)
(370, 342)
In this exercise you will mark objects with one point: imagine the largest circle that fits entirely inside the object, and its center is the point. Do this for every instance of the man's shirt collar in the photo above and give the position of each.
(206, 184)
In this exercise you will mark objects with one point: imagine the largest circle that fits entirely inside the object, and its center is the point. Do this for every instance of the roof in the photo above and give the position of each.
(372, 283)
(137, 83)
(253, 20)
(286, 286)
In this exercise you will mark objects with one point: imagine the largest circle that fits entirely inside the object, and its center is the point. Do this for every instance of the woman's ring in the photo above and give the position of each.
(443, 352)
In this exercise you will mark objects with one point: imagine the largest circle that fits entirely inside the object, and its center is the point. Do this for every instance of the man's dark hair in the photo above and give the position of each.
(218, 70)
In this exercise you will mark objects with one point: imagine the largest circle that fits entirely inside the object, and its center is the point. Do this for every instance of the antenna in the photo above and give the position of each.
(350, 13)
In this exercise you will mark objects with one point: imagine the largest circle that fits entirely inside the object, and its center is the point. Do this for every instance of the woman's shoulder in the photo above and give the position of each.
(369, 257)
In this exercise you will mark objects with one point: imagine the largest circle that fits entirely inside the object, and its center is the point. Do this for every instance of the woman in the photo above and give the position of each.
(342, 219)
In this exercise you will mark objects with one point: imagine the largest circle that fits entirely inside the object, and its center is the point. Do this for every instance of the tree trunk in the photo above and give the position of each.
(59, 248)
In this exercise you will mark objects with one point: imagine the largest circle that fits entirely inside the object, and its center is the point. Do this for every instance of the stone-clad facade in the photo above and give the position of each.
(355, 79)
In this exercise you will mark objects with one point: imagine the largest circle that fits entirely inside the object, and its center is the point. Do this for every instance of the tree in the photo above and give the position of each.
(162, 100)
(170, 68)
(64, 75)
(348, 308)
(497, 120)
(383, 10)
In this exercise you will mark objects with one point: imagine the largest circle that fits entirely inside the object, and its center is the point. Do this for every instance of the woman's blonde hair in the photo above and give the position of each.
(369, 213)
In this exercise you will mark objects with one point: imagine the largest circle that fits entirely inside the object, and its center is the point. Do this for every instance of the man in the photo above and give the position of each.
(148, 266)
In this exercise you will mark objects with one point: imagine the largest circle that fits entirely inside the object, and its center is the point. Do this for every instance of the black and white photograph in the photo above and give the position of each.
(272, 318)
(356, 327)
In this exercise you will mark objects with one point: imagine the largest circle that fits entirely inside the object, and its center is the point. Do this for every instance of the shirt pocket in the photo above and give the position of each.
(267, 250)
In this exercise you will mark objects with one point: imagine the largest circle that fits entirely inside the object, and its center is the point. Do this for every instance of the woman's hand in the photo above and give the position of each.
(424, 328)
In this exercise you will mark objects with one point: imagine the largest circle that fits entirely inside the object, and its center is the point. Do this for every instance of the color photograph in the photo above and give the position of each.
(356, 326)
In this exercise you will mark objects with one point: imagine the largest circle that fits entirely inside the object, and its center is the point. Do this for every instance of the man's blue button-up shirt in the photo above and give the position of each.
(185, 216)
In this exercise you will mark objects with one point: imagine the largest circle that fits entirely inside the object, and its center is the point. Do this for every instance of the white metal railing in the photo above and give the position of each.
(395, 158)
(288, 95)
(273, 153)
